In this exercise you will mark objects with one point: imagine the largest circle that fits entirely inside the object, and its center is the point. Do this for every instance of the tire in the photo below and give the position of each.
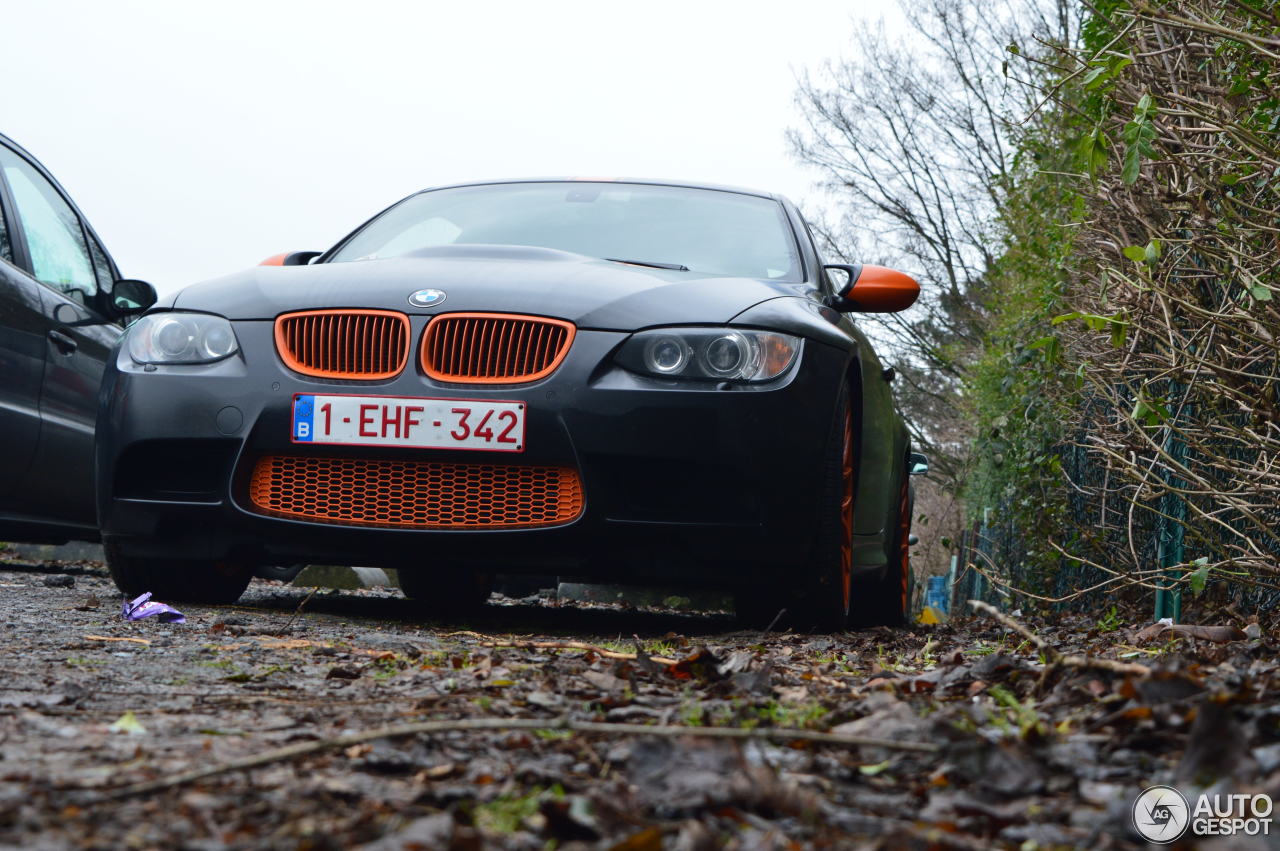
(182, 580)
(886, 600)
(824, 602)
(445, 591)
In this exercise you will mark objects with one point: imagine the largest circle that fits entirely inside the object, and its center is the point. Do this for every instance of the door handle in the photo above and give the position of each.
(64, 341)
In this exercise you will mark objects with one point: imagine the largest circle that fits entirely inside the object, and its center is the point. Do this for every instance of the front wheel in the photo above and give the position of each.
(178, 579)
(820, 600)
(885, 602)
(824, 601)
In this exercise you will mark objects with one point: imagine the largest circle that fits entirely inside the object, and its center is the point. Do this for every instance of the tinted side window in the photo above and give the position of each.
(829, 284)
(106, 277)
(55, 240)
(6, 249)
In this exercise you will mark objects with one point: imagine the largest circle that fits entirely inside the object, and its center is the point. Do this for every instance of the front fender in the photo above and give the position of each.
(882, 434)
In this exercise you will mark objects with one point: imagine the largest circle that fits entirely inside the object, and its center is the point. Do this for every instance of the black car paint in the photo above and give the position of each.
(53, 351)
(591, 293)
(22, 359)
(688, 483)
(879, 424)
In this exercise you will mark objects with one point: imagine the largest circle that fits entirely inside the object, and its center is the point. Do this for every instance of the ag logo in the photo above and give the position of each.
(1161, 814)
(426, 298)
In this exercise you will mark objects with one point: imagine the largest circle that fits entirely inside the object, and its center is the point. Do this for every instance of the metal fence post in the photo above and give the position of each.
(1173, 513)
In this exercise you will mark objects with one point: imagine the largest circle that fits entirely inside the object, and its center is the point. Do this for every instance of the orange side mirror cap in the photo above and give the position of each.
(876, 289)
(291, 258)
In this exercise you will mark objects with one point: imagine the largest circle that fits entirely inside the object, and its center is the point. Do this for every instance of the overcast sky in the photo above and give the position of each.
(199, 138)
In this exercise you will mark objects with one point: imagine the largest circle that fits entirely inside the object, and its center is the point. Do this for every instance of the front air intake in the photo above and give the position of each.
(494, 348)
(414, 494)
(361, 344)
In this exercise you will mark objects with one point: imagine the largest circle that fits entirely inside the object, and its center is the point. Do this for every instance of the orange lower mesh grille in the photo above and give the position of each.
(419, 494)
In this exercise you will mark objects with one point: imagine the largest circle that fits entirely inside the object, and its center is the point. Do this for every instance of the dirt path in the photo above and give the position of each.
(990, 749)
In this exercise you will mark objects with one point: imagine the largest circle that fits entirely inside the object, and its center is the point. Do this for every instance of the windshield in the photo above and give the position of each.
(710, 232)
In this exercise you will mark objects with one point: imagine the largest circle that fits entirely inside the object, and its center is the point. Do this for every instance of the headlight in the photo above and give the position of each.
(710, 354)
(181, 338)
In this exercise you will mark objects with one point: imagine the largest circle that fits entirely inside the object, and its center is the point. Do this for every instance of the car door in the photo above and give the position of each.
(22, 352)
(60, 254)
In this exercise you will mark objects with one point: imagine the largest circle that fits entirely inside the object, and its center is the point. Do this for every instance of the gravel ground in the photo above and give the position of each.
(987, 739)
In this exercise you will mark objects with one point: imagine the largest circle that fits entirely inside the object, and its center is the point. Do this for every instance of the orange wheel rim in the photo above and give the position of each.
(846, 513)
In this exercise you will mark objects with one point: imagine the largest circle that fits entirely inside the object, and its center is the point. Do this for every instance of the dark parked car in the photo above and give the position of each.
(618, 381)
(62, 305)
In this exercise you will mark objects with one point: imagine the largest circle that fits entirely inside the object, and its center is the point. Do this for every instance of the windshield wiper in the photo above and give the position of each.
(675, 267)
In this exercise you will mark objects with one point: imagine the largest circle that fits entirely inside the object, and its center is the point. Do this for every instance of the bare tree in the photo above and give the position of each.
(915, 140)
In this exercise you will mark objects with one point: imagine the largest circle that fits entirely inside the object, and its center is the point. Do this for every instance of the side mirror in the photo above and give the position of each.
(919, 464)
(874, 289)
(291, 258)
(130, 296)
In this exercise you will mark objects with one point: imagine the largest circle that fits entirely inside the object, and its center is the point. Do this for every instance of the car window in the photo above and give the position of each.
(827, 283)
(712, 232)
(6, 249)
(101, 265)
(55, 240)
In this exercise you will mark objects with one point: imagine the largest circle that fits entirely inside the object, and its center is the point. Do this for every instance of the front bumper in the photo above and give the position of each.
(683, 484)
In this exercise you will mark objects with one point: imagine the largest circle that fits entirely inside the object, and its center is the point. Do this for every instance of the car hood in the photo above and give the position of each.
(589, 292)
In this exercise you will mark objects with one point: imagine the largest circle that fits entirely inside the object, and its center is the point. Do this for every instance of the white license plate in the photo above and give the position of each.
(409, 421)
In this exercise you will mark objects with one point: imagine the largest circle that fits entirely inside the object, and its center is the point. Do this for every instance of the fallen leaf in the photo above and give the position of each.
(1166, 687)
(1216, 747)
(604, 681)
(649, 839)
(435, 772)
(128, 723)
(701, 664)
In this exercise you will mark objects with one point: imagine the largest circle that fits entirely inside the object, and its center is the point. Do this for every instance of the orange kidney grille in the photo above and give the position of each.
(494, 348)
(367, 344)
(415, 494)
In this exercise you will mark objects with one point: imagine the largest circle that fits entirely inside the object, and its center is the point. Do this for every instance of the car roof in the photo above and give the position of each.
(680, 184)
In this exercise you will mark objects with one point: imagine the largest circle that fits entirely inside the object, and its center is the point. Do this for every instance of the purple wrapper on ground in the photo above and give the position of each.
(142, 607)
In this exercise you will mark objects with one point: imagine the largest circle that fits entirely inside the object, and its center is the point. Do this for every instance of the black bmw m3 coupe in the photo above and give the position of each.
(618, 381)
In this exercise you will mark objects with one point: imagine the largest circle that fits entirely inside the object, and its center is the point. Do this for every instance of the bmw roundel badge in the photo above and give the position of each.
(426, 298)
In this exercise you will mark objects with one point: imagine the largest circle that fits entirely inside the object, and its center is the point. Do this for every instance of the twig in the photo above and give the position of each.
(1016, 627)
(288, 626)
(768, 629)
(1056, 658)
(290, 752)
(1101, 664)
(114, 638)
(572, 645)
